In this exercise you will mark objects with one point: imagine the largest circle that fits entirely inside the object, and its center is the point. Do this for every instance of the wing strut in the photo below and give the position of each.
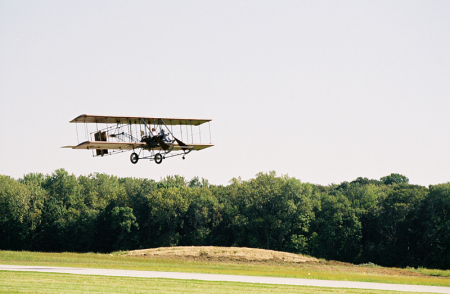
(143, 120)
(166, 127)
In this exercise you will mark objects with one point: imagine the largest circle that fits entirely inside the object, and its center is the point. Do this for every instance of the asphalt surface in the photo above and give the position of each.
(227, 278)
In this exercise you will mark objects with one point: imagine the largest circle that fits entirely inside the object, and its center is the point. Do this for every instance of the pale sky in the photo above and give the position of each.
(324, 91)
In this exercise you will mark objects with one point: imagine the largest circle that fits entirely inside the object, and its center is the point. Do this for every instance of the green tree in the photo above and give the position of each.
(83, 232)
(275, 211)
(230, 231)
(195, 182)
(175, 181)
(394, 179)
(202, 217)
(52, 234)
(98, 190)
(14, 206)
(336, 230)
(64, 187)
(117, 229)
(395, 221)
(433, 228)
(296, 215)
(139, 193)
(36, 196)
(365, 197)
(168, 207)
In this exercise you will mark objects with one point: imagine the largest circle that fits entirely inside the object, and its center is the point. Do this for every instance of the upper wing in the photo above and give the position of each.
(85, 118)
(132, 145)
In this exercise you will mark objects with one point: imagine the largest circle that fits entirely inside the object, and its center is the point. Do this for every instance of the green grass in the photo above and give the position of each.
(119, 261)
(30, 282)
(431, 272)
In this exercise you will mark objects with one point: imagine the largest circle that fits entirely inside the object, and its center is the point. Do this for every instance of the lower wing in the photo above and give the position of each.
(133, 145)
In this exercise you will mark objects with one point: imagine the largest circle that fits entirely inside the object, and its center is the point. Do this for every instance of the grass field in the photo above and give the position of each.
(30, 282)
(322, 270)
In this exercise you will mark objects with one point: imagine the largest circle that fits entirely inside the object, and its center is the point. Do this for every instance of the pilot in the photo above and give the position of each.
(162, 135)
(153, 133)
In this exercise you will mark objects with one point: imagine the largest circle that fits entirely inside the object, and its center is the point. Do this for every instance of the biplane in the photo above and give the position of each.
(152, 138)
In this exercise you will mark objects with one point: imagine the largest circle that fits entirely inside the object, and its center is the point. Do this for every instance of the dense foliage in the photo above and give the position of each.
(387, 221)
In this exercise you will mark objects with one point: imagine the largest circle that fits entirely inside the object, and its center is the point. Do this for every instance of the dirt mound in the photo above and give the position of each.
(221, 254)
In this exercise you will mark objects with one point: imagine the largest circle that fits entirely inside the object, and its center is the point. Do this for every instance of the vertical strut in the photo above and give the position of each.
(209, 126)
(76, 127)
(192, 133)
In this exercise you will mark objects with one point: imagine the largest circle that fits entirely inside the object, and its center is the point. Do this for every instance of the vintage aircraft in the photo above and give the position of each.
(152, 138)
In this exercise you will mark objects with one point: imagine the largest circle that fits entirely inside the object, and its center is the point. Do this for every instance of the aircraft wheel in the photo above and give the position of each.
(134, 158)
(158, 158)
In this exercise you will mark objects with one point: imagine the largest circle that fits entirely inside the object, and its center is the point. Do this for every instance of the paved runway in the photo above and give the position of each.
(227, 278)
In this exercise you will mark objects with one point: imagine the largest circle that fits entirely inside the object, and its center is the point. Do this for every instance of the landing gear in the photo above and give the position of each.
(158, 158)
(183, 157)
(134, 158)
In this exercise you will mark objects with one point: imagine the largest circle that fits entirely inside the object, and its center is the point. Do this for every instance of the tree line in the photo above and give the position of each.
(388, 221)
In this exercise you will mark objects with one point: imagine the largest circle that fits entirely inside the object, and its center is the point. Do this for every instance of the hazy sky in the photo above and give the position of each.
(324, 91)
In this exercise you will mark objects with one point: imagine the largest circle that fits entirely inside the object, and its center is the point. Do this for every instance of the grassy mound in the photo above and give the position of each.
(222, 254)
